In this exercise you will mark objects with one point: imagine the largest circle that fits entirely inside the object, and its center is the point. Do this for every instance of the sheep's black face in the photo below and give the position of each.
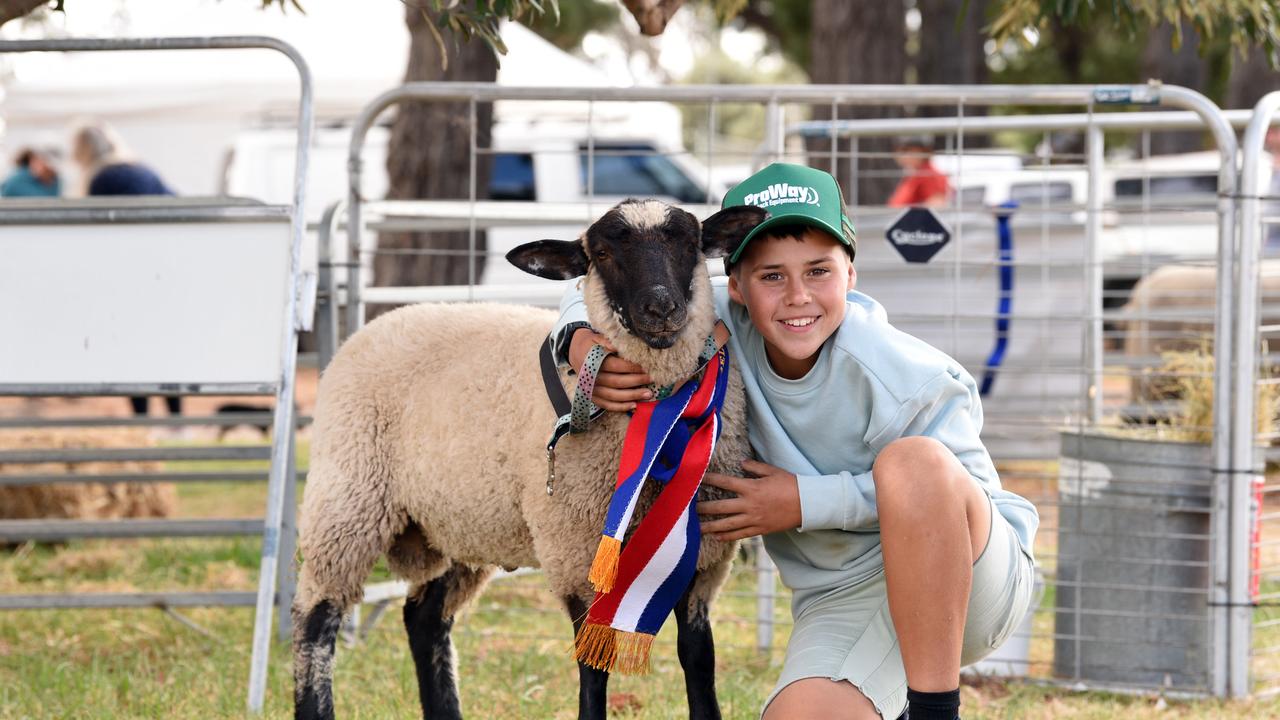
(645, 253)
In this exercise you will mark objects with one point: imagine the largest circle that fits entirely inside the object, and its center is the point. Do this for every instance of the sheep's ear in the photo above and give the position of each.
(722, 232)
(551, 259)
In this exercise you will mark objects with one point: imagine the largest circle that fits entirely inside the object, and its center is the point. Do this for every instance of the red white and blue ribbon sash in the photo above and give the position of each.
(671, 441)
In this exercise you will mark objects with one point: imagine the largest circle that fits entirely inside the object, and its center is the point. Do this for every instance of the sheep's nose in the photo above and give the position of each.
(658, 303)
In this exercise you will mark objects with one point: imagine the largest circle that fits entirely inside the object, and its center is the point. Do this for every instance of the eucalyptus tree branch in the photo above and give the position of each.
(13, 9)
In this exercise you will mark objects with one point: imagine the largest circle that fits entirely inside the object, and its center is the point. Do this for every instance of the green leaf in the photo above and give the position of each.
(494, 41)
(1242, 25)
(726, 10)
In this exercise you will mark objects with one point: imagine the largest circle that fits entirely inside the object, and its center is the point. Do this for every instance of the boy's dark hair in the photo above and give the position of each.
(24, 157)
(914, 142)
(790, 230)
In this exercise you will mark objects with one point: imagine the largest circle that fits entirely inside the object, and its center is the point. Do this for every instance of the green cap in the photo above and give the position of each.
(793, 195)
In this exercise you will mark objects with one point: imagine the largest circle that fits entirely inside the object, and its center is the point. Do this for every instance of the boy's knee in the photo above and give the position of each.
(913, 466)
(912, 456)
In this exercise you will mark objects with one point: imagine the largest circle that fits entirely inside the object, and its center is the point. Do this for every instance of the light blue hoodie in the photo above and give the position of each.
(871, 385)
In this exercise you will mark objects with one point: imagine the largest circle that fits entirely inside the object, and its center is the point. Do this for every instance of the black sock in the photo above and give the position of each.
(933, 705)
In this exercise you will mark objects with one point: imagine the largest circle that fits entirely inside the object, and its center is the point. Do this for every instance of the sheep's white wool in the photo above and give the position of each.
(644, 215)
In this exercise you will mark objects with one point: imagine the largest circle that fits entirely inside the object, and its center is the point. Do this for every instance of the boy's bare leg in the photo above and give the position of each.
(820, 699)
(934, 523)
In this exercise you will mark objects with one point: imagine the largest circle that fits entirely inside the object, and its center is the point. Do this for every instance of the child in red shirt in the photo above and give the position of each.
(923, 183)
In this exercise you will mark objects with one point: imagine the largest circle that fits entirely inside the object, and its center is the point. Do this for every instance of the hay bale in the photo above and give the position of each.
(1172, 310)
(83, 500)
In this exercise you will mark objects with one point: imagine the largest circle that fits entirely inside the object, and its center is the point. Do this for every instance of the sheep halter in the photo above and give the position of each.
(670, 440)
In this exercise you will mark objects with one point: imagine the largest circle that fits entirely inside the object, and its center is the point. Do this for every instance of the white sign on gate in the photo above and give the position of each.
(156, 302)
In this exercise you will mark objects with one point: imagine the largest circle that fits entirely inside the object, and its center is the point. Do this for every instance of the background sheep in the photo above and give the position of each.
(83, 500)
(1172, 309)
(429, 436)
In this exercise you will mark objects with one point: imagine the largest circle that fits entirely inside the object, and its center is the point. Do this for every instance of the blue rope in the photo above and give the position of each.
(1004, 304)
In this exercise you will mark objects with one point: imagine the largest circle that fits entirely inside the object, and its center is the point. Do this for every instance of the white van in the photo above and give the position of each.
(546, 164)
(1158, 210)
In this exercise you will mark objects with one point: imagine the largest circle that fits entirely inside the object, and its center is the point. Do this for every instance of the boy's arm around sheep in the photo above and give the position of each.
(891, 385)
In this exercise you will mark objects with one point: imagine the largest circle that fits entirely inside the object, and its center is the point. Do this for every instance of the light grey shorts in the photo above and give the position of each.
(848, 634)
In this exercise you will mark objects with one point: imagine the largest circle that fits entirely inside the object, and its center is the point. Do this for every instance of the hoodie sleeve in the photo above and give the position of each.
(946, 409)
(573, 315)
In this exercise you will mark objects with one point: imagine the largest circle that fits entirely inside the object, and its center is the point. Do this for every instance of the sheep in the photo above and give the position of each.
(83, 500)
(429, 448)
(1172, 309)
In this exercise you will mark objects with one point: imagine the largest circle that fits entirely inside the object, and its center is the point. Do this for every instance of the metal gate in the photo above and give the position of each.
(1144, 593)
(1065, 374)
(1253, 518)
(177, 297)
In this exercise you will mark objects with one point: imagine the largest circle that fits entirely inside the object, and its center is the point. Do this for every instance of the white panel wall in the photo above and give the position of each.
(139, 303)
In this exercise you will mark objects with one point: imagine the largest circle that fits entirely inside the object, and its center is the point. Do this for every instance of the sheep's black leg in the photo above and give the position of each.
(428, 629)
(315, 633)
(697, 654)
(593, 684)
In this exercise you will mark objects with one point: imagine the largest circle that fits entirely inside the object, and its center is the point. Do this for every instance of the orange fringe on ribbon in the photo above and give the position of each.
(633, 652)
(604, 569)
(605, 648)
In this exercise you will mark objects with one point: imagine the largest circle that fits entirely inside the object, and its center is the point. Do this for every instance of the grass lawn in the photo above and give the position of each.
(513, 647)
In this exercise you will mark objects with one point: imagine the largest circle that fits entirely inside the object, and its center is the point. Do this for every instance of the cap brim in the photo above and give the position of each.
(769, 222)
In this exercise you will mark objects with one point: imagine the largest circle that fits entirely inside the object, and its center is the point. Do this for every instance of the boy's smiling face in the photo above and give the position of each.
(794, 290)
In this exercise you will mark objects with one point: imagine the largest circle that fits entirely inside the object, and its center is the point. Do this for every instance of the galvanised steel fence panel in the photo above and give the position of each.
(1254, 520)
(167, 297)
(1057, 305)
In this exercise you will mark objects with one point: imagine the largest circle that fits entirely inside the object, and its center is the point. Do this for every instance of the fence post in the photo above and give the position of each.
(1223, 364)
(355, 262)
(764, 597)
(282, 430)
(326, 324)
(774, 131)
(1095, 146)
(287, 577)
(1245, 309)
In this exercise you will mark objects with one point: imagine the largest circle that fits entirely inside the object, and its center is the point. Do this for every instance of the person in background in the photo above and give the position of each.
(922, 184)
(106, 169)
(34, 175)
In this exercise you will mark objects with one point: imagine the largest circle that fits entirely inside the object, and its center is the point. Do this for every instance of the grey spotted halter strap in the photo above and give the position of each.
(582, 411)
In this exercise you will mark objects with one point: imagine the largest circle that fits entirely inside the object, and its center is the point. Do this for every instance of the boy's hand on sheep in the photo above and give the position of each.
(769, 502)
(620, 383)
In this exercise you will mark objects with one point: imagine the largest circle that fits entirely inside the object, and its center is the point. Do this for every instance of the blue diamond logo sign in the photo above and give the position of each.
(918, 235)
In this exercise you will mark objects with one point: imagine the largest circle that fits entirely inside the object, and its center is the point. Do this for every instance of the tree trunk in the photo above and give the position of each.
(652, 15)
(429, 157)
(1069, 41)
(953, 54)
(859, 42)
(1251, 78)
(1183, 66)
